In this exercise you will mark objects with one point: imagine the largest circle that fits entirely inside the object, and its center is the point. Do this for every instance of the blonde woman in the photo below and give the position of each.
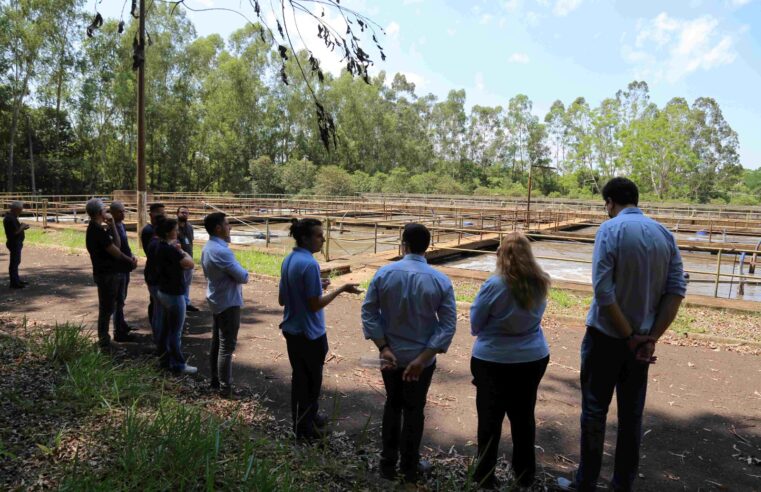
(509, 357)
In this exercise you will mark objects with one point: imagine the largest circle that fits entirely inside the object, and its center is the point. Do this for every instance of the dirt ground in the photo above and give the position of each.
(703, 416)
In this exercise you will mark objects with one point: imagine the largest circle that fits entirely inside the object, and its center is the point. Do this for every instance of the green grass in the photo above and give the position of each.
(258, 262)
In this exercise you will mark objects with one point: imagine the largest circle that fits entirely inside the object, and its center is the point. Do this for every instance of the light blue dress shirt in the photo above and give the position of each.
(507, 333)
(412, 306)
(636, 262)
(300, 280)
(224, 275)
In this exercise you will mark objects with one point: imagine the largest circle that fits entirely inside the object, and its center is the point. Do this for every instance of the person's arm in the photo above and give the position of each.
(479, 310)
(20, 228)
(117, 238)
(603, 269)
(115, 252)
(676, 289)
(225, 261)
(441, 338)
(319, 302)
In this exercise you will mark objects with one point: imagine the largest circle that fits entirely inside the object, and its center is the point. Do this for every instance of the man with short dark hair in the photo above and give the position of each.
(103, 245)
(638, 285)
(224, 293)
(410, 314)
(148, 237)
(117, 212)
(185, 238)
(14, 241)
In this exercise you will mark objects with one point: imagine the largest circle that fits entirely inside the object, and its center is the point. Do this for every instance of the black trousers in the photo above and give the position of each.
(13, 262)
(108, 290)
(403, 420)
(224, 337)
(307, 358)
(506, 389)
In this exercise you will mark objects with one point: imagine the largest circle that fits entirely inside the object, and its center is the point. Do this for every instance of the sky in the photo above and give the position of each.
(557, 49)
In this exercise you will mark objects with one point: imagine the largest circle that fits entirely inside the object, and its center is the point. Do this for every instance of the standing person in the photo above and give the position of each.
(185, 237)
(117, 212)
(14, 241)
(224, 293)
(509, 357)
(303, 325)
(107, 261)
(171, 260)
(147, 240)
(639, 285)
(410, 314)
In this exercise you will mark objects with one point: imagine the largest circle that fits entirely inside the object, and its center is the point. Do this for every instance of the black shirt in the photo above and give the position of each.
(98, 239)
(11, 224)
(145, 236)
(185, 237)
(170, 275)
(150, 272)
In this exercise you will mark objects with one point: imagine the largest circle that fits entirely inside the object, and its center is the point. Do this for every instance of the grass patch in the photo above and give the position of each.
(261, 263)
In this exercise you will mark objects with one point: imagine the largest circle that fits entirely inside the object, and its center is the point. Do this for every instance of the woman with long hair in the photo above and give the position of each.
(301, 295)
(509, 357)
(171, 261)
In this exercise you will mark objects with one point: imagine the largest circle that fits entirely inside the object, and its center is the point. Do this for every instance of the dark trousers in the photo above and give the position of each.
(223, 340)
(506, 389)
(607, 364)
(403, 420)
(120, 325)
(13, 262)
(307, 358)
(108, 287)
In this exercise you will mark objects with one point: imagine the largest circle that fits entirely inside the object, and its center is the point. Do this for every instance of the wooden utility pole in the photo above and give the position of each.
(141, 188)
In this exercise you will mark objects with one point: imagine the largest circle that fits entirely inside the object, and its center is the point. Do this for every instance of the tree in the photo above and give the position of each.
(333, 181)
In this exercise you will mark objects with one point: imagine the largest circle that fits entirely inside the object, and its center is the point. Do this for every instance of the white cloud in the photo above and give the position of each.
(392, 30)
(565, 7)
(479, 81)
(451, 31)
(521, 58)
(485, 19)
(511, 5)
(739, 3)
(669, 49)
(532, 18)
(417, 79)
(410, 2)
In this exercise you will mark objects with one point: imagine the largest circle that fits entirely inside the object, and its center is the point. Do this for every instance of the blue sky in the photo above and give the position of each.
(562, 49)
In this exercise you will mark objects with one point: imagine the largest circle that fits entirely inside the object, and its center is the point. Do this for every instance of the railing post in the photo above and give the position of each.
(375, 238)
(45, 214)
(327, 239)
(718, 272)
(267, 233)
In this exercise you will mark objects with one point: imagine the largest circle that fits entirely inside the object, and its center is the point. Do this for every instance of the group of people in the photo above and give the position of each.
(409, 313)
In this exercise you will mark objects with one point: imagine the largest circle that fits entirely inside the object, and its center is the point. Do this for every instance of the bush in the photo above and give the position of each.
(333, 181)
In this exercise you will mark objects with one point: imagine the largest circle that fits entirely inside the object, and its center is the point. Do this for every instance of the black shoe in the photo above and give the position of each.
(124, 338)
(423, 470)
(18, 286)
(228, 393)
(126, 328)
(24, 282)
(320, 421)
(191, 308)
(214, 385)
(388, 472)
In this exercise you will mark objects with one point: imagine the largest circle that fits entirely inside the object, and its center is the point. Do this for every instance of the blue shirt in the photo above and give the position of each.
(636, 262)
(412, 306)
(224, 275)
(123, 239)
(507, 333)
(300, 280)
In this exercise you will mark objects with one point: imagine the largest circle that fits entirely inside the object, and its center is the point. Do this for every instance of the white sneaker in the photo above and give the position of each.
(188, 369)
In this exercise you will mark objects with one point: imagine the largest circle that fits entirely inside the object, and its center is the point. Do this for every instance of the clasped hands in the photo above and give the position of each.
(411, 372)
(643, 347)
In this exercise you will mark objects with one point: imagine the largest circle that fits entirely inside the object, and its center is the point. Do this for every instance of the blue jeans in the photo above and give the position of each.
(188, 279)
(607, 364)
(120, 325)
(156, 314)
(13, 262)
(174, 319)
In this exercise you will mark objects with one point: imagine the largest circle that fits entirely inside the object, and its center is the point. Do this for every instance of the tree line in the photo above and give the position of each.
(220, 118)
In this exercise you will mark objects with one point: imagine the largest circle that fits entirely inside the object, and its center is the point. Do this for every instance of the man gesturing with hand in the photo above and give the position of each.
(409, 312)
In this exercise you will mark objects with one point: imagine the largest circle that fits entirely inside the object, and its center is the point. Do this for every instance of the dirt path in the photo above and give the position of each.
(704, 405)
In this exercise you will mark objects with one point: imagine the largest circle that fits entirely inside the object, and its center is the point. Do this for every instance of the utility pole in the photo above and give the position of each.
(141, 189)
(528, 201)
